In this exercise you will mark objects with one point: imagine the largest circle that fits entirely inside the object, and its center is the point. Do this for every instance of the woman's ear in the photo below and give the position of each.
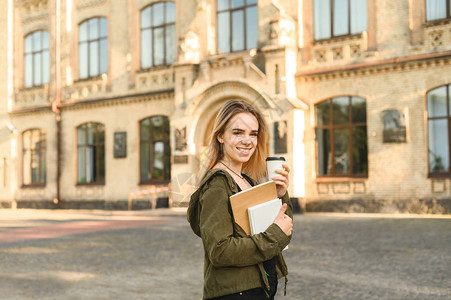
(220, 139)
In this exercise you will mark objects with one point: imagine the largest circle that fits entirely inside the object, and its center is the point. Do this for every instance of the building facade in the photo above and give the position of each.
(109, 104)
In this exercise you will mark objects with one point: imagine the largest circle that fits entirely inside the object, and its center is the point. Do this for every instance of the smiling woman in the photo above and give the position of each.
(237, 265)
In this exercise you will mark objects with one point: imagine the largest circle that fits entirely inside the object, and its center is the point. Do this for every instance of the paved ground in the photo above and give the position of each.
(154, 255)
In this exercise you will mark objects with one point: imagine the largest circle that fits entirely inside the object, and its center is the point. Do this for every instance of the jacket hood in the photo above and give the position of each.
(193, 212)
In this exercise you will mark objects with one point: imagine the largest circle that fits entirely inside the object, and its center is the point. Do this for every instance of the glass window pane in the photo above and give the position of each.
(170, 44)
(251, 27)
(37, 68)
(359, 151)
(26, 167)
(158, 43)
(94, 58)
(103, 28)
(340, 110)
(170, 12)
(223, 33)
(341, 17)
(91, 164)
(145, 17)
(146, 49)
(101, 163)
(341, 151)
(28, 70)
(359, 13)
(158, 161)
(103, 56)
(81, 135)
(83, 60)
(37, 46)
(323, 113)
(81, 164)
(29, 44)
(42, 167)
(237, 3)
(35, 167)
(249, 2)
(435, 9)
(144, 130)
(93, 28)
(157, 127)
(358, 110)
(222, 5)
(45, 67)
(83, 32)
(158, 14)
(45, 40)
(237, 30)
(324, 152)
(144, 155)
(436, 102)
(438, 146)
(99, 134)
(167, 160)
(322, 19)
(91, 133)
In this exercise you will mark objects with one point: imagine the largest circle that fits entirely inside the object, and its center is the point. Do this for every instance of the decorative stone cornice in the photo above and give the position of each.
(89, 3)
(120, 100)
(363, 69)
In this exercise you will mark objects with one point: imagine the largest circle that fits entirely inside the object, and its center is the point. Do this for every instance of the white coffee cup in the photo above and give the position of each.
(273, 164)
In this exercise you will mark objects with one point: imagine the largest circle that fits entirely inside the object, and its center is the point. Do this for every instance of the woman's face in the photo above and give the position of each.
(240, 138)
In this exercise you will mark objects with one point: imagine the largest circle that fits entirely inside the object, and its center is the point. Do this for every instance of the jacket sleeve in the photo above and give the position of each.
(216, 227)
(289, 212)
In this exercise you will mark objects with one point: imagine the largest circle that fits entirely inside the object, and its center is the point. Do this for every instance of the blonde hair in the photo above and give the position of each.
(255, 167)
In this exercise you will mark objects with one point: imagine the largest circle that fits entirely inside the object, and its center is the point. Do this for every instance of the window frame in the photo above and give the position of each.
(33, 54)
(89, 42)
(230, 12)
(165, 138)
(331, 127)
(152, 28)
(332, 35)
(42, 150)
(96, 145)
(448, 118)
(448, 12)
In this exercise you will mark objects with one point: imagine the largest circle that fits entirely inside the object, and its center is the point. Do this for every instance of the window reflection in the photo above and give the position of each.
(36, 59)
(92, 48)
(91, 153)
(155, 152)
(237, 25)
(341, 137)
(33, 157)
(158, 38)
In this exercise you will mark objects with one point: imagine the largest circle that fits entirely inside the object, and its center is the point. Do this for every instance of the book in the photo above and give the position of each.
(261, 216)
(255, 195)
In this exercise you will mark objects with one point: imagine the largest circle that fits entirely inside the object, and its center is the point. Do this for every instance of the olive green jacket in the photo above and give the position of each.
(233, 261)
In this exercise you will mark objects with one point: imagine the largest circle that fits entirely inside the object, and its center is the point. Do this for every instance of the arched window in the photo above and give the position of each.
(438, 9)
(154, 150)
(439, 112)
(91, 153)
(92, 48)
(36, 59)
(341, 137)
(334, 18)
(237, 25)
(33, 157)
(158, 41)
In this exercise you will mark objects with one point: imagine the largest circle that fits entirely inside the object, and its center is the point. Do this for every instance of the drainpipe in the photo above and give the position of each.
(57, 102)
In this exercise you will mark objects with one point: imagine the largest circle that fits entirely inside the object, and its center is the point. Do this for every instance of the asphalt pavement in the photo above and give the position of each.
(65, 254)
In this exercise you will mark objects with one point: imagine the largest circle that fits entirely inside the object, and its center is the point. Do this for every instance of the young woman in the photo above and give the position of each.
(237, 266)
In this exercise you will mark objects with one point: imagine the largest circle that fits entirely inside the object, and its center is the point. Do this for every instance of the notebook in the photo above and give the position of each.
(263, 215)
(255, 195)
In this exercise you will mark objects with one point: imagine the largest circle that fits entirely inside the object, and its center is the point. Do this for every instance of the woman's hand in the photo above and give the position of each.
(282, 180)
(283, 221)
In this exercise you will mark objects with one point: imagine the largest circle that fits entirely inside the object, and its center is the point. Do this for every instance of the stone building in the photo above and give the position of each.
(109, 103)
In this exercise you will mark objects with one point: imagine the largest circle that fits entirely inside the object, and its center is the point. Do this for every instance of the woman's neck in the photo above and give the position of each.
(235, 166)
